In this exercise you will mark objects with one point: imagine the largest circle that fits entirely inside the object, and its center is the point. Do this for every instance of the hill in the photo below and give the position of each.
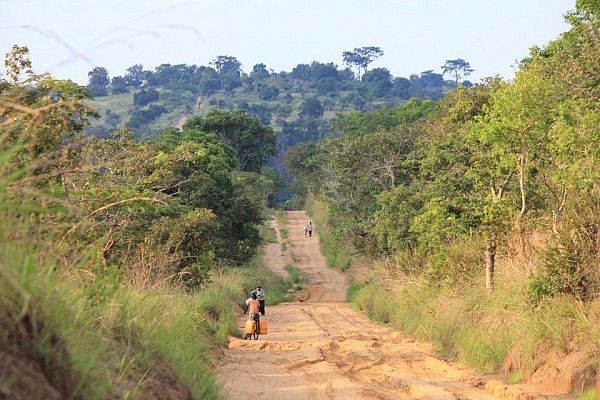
(299, 104)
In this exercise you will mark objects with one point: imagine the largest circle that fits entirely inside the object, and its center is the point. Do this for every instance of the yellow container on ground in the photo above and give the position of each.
(262, 327)
(249, 327)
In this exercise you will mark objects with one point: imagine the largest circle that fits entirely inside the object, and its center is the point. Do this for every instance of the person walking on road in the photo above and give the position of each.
(310, 228)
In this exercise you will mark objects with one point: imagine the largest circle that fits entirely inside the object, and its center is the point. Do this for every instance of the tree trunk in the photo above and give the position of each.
(490, 262)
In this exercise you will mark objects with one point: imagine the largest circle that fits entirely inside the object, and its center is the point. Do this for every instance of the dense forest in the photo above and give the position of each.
(478, 210)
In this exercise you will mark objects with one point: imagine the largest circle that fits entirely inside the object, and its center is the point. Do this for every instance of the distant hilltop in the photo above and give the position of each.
(303, 100)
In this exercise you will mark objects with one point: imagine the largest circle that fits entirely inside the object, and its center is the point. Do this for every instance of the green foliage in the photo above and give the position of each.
(569, 264)
(267, 233)
(297, 277)
(311, 108)
(144, 97)
(333, 243)
(386, 119)
(251, 142)
(102, 240)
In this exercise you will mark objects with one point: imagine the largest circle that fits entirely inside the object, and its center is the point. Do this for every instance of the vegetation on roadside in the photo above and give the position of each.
(297, 278)
(122, 263)
(337, 250)
(480, 211)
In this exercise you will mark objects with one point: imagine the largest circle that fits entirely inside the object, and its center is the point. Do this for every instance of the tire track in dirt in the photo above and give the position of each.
(322, 349)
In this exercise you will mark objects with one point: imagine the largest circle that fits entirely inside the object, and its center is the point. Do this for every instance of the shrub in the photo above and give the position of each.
(569, 264)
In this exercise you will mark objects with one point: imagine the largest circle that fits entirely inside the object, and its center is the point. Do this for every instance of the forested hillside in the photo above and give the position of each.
(480, 212)
(298, 104)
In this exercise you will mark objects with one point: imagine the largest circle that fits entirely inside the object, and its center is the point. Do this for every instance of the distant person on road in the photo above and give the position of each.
(310, 228)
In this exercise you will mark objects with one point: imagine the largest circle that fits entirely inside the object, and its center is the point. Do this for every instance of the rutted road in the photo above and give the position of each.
(319, 348)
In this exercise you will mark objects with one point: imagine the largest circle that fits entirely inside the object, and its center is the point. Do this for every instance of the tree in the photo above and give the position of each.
(378, 82)
(252, 142)
(228, 68)
(361, 58)
(267, 92)
(99, 77)
(311, 108)
(118, 84)
(144, 97)
(136, 76)
(98, 81)
(458, 68)
(17, 62)
(259, 72)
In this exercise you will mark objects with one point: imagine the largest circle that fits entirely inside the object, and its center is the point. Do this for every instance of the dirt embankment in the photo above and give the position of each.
(319, 348)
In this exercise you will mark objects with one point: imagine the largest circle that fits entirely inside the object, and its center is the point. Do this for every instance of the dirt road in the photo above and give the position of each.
(319, 348)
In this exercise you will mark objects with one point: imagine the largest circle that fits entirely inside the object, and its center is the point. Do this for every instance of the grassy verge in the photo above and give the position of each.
(297, 277)
(335, 248)
(481, 329)
(267, 233)
(111, 336)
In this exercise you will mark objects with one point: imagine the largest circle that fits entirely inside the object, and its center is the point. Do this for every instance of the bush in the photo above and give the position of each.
(569, 264)
(143, 97)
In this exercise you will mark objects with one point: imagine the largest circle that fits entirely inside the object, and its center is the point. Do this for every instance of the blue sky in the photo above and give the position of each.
(68, 38)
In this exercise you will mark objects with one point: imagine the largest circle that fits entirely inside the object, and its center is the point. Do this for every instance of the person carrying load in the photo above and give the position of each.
(253, 307)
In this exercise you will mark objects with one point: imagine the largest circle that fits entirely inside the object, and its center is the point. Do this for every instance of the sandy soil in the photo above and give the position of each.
(320, 348)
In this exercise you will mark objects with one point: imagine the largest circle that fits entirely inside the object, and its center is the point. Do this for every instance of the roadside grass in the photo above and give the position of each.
(284, 233)
(267, 233)
(98, 331)
(590, 394)
(336, 250)
(297, 278)
(281, 218)
(514, 378)
(478, 328)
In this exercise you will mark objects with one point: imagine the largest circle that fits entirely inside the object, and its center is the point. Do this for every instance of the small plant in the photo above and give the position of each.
(590, 394)
(297, 277)
(514, 377)
(267, 233)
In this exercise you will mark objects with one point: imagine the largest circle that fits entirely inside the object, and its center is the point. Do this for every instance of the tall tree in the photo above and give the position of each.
(259, 71)
(311, 108)
(228, 68)
(136, 76)
(458, 69)
(98, 81)
(251, 141)
(361, 57)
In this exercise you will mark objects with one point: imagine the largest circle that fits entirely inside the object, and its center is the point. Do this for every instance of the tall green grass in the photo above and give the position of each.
(335, 248)
(297, 277)
(267, 233)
